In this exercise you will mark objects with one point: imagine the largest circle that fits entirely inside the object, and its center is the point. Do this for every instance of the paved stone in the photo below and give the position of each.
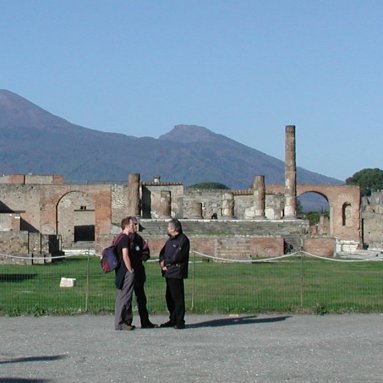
(213, 348)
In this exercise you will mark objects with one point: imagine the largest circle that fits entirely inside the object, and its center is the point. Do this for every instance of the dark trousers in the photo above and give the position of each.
(139, 291)
(175, 300)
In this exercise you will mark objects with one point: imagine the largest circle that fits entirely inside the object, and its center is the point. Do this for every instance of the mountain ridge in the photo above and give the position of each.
(33, 140)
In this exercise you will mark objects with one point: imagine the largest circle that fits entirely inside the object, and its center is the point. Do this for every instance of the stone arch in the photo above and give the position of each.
(323, 227)
(339, 197)
(320, 193)
(75, 217)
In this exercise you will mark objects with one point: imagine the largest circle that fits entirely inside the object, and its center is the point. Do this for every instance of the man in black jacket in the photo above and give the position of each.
(139, 253)
(174, 261)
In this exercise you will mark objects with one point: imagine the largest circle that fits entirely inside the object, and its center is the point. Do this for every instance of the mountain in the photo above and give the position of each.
(33, 140)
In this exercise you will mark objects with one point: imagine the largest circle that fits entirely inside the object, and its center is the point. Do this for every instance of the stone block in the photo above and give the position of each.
(67, 282)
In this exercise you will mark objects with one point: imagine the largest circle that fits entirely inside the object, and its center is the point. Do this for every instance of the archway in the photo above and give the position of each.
(75, 218)
(315, 207)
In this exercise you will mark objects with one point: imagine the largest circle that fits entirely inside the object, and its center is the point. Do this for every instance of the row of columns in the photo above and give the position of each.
(290, 181)
(259, 190)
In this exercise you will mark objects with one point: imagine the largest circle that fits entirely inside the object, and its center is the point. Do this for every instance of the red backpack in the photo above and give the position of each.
(109, 256)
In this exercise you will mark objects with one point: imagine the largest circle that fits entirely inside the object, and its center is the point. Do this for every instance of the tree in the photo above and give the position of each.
(369, 180)
(209, 185)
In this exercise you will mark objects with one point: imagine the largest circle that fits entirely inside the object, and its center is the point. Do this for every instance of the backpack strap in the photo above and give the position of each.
(117, 239)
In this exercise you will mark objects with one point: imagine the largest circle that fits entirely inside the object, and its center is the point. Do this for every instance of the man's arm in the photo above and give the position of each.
(126, 258)
(161, 259)
(182, 253)
(145, 251)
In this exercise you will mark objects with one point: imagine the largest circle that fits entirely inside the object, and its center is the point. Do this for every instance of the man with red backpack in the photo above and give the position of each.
(140, 253)
(124, 277)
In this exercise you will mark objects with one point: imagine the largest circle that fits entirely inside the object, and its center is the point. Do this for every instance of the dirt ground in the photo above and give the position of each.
(212, 348)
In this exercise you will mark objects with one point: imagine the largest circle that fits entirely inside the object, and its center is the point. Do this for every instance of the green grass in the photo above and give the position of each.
(290, 285)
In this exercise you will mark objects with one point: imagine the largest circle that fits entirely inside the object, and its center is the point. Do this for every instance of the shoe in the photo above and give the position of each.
(167, 324)
(179, 326)
(149, 325)
(126, 327)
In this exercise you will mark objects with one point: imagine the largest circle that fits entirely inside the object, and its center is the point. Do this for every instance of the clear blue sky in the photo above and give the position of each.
(240, 68)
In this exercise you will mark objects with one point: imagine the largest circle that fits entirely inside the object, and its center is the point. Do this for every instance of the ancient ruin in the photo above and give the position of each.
(42, 215)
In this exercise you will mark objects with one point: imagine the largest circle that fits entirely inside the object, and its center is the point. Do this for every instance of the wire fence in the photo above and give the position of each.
(299, 282)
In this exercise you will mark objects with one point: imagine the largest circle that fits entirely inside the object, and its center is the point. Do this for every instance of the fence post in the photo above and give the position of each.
(302, 280)
(193, 282)
(87, 283)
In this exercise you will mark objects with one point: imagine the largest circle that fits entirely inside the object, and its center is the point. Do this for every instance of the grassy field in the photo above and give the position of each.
(291, 285)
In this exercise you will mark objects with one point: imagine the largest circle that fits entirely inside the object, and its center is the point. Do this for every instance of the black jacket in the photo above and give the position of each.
(175, 254)
(139, 252)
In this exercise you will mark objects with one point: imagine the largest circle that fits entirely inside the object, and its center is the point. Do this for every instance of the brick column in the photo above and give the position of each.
(290, 173)
(134, 194)
(259, 197)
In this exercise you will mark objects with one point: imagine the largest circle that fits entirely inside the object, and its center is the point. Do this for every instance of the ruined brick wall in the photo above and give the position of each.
(14, 242)
(9, 222)
(29, 248)
(228, 247)
(244, 205)
(345, 208)
(224, 237)
(119, 202)
(321, 246)
(32, 179)
(211, 202)
(372, 230)
(151, 199)
(57, 209)
(75, 209)
(372, 219)
(24, 200)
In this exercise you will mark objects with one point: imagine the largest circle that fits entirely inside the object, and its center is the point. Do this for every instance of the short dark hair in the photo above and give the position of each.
(176, 224)
(125, 222)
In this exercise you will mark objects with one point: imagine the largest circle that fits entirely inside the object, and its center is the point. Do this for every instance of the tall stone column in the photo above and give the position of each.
(134, 194)
(259, 197)
(165, 208)
(290, 174)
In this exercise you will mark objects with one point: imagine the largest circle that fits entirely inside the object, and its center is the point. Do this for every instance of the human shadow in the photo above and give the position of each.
(23, 380)
(250, 319)
(42, 358)
(16, 277)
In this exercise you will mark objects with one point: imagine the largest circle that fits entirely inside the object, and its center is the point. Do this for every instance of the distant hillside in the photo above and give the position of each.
(33, 140)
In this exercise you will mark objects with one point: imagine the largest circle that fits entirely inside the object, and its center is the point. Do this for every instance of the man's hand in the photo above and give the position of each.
(162, 266)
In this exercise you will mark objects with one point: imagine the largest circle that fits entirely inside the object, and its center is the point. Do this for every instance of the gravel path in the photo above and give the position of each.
(213, 348)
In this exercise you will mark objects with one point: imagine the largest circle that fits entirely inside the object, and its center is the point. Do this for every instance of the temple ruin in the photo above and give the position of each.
(42, 215)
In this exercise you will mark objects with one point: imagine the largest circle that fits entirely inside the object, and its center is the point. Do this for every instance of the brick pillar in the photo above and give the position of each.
(259, 196)
(290, 173)
(134, 194)
(165, 204)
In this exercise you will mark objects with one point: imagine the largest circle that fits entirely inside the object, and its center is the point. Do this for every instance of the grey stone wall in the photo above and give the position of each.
(74, 209)
(372, 220)
(151, 199)
(211, 200)
(30, 246)
(119, 203)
